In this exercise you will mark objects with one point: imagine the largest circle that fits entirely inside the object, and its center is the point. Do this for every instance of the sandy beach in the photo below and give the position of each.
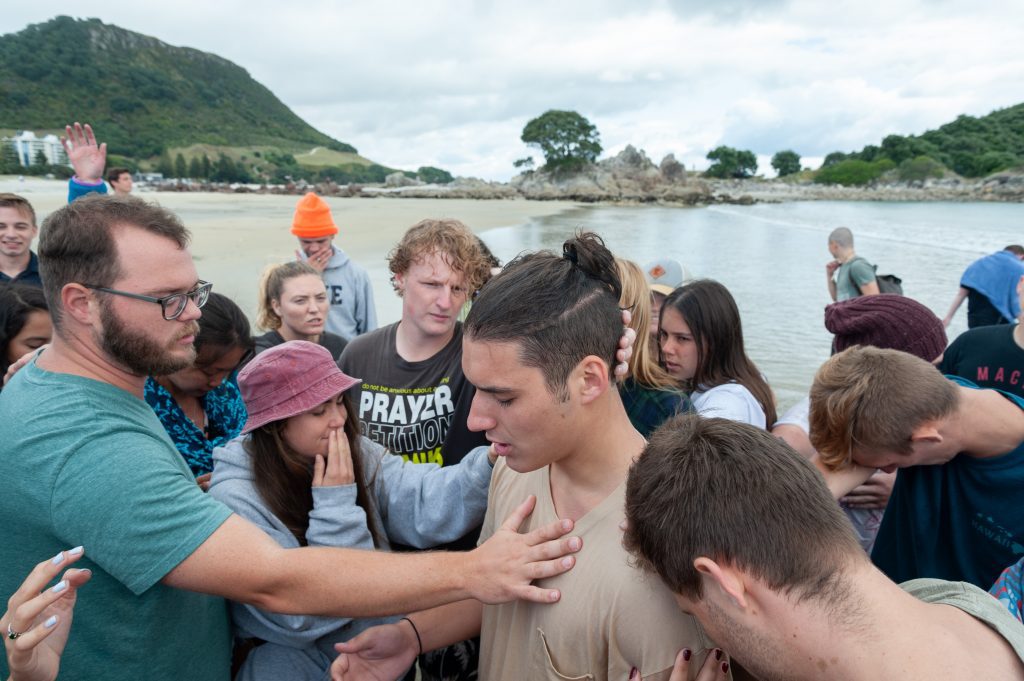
(235, 236)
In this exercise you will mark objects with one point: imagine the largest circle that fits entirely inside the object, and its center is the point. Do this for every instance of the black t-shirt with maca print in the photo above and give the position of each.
(417, 410)
(987, 356)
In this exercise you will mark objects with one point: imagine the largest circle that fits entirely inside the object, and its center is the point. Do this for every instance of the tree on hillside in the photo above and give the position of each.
(568, 140)
(786, 162)
(729, 162)
(834, 158)
(433, 175)
(180, 167)
(9, 163)
(195, 168)
(164, 165)
(207, 167)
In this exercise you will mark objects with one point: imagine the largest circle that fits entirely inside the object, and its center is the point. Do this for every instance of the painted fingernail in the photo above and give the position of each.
(50, 623)
(77, 550)
(634, 673)
(687, 654)
(58, 559)
(725, 667)
(718, 653)
(60, 586)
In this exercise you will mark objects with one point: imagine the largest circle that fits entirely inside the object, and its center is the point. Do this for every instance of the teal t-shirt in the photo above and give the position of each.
(85, 463)
(851, 276)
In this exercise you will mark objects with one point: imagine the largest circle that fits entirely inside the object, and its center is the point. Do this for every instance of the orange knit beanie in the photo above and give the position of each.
(313, 218)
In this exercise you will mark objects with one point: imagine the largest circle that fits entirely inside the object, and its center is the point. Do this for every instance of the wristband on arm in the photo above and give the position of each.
(416, 631)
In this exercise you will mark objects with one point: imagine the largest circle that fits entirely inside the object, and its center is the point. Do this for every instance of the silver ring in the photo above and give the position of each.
(11, 633)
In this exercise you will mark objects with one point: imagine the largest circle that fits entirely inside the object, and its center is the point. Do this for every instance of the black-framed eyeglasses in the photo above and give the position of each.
(172, 305)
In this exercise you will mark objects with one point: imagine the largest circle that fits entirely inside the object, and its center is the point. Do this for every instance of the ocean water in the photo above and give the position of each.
(772, 257)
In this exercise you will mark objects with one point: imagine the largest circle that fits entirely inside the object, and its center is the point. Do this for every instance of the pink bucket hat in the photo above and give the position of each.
(287, 380)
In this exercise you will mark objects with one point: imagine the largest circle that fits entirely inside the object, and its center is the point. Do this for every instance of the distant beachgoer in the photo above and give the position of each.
(990, 356)
(702, 348)
(293, 306)
(24, 323)
(18, 263)
(349, 293)
(663, 276)
(849, 275)
(990, 286)
(303, 474)
(890, 321)
(200, 407)
(955, 510)
(120, 180)
(748, 540)
(649, 394)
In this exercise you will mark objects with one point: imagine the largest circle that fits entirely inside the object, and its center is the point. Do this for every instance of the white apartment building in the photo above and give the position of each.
(27, 145)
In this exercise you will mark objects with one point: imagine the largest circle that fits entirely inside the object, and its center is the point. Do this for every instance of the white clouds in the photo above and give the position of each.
(452, 83)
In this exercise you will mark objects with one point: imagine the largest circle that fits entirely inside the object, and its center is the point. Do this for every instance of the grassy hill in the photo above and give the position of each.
(969, 146)
(148, 99)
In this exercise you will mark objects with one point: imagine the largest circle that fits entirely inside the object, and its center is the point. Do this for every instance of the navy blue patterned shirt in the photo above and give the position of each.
(225, 416)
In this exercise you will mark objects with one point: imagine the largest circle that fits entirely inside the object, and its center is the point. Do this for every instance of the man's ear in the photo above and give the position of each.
(79, 303)
(724, 578)
(591, 378)
(400, 282)
(926, 433)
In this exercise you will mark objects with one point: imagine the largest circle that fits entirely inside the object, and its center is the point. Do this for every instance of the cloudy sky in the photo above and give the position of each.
(452, 83)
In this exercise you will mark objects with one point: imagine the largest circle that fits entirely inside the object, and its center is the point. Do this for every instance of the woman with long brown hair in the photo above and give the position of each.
(650, 395)
(302, 472)
(702, 347)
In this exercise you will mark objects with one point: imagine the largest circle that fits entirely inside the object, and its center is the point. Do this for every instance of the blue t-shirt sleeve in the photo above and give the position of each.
(77, 190)
(130, 500)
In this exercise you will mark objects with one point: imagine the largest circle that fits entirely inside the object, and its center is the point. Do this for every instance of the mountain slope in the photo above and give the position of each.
(143, 94)
(973, 147)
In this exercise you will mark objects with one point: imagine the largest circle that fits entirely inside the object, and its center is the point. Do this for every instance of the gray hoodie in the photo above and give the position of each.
(420, 505)
(350, 295)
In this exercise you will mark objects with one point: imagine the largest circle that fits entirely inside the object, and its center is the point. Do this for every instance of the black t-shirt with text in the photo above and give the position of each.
(987, 356)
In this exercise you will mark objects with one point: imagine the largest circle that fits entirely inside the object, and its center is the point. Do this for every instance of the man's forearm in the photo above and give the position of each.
(241, 563)
(448, 624)
(352, 583)
(832, 288)
(843, 481)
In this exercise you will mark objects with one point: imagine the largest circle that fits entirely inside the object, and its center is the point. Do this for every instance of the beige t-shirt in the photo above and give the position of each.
(977, 603)
(611, 617)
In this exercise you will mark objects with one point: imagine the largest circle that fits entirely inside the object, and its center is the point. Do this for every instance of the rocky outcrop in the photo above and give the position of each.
(631, 177)
(627, 176)
(400, 179)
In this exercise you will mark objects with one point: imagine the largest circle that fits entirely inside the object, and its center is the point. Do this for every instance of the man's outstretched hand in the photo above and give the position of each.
(505, 566)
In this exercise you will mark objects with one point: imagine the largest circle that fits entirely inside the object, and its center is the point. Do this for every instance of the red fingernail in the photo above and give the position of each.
(687, 654)
(634, 673)
(718, 653)
(725, 667)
